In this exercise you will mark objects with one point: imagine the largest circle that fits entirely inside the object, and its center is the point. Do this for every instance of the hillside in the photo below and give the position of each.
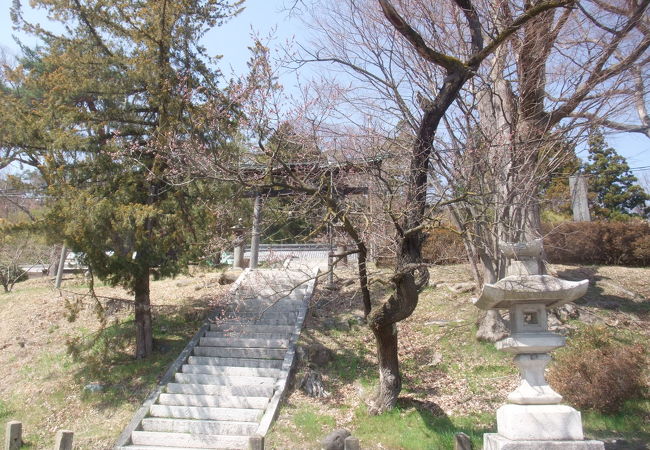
(451, 382)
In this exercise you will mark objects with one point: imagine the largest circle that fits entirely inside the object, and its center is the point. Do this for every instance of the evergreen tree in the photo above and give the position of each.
(617, 194)
(101, 105)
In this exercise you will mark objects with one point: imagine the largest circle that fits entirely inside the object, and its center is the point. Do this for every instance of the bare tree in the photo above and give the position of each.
(563, 72)
(405, 65)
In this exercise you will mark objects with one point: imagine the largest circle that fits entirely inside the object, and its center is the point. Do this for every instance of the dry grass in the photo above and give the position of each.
(42, 385)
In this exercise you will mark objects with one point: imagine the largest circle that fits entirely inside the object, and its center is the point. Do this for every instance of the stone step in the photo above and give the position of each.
(222, 379)
(186, 440)
(260, 390)
(258, 311)
(230, 371)
(243, 342)
(235, 362)
(247, 335)
(281, 317)
(296, 298)
(256, 320)
(150, 447)
(199, 426)
(250, 328)
(261, 353)
(263, 305)
(206, 413)
(213, 401)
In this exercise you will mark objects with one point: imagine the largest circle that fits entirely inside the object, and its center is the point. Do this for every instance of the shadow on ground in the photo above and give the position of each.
(107, 358)
(597, 298)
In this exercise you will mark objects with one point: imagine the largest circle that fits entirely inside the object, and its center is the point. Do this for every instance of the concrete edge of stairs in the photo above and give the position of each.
(125, 436)
(287, 364)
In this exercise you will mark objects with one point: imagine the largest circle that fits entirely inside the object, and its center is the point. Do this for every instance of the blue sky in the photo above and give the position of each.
(267, 16)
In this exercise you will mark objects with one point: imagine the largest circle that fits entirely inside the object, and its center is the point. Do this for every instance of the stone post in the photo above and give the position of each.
(256, 442)
(13, 435)
(238, 245)
(462, 442)
(351, 443)
(255, 238)
(63, 440)
(59, 272)
(579, 198)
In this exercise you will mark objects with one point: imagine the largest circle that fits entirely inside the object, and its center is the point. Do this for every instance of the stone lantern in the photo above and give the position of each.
(533, 419)
(238, 244)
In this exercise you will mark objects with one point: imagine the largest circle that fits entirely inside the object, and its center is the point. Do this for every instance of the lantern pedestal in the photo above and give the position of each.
(534, 419)
(493, 441)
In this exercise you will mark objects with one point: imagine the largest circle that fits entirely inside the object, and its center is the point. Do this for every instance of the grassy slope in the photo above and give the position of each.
(451, 382)
(43, 386)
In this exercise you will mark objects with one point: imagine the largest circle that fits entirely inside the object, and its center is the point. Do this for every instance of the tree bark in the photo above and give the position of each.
(143, 330)
(390, 380)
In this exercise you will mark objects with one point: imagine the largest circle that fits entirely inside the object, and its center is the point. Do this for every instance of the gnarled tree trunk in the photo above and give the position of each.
(390, 380)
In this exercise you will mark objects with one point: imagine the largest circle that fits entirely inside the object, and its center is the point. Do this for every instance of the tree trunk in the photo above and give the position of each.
(390, 380)
(491, 326)
(143, 331)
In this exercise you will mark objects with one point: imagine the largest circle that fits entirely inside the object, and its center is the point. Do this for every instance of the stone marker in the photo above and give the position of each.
(335, 440)
(256, 442)
(63, 440)
(352, 443)
(13, 435)
(579, 198)
(534, 419)
(462, 442)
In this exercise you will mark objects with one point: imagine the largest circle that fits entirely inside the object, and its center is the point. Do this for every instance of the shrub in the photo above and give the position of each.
(10, 275)
(620, 243)
(642, 249)
(598, 372)
(443, 246)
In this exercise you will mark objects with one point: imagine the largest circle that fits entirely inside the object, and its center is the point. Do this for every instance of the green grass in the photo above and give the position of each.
(46, 365)
(431, 355)
(5, 411)
(632, 422)
(311, 424)
(409, 426)
(416, 427)
(109, 360)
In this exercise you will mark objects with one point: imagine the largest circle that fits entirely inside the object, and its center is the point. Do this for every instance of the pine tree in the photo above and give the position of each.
(617, 194)
(107, 99)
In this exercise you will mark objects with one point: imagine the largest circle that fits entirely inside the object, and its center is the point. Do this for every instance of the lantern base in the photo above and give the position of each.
(539, 422)
(493, 441)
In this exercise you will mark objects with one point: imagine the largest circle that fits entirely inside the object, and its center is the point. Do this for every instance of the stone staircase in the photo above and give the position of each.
(227, 384)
